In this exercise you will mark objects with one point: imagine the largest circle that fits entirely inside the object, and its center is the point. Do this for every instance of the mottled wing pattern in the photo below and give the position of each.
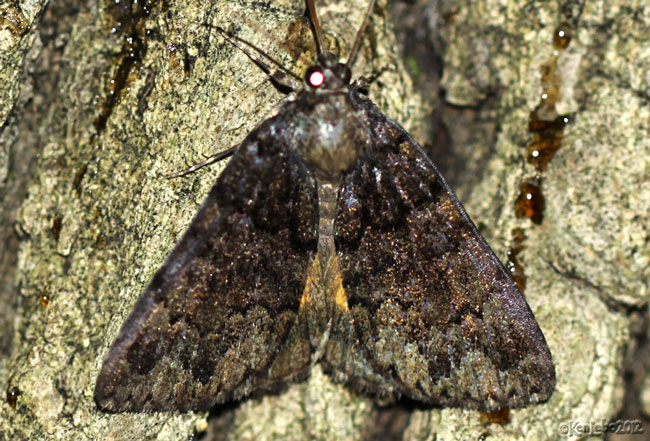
(219, 318)
(434, 311)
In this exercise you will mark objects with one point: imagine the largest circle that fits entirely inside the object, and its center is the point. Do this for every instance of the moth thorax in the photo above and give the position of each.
(335, 138)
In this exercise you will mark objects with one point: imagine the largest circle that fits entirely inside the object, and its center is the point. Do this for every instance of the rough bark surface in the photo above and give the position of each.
(111, 96)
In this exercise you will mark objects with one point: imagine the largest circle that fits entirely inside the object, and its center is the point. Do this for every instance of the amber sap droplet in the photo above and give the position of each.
(12, 396)
(44, 300)
(501, 416)
(57, 223)
(547, 138)
(562, 36)
(530, 202)
(100, 241)
(513, 265)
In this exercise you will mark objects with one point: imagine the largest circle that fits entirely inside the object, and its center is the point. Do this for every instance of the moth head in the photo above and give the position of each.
(327, 74)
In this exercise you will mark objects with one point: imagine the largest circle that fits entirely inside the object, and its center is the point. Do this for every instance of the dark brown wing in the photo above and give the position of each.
(434, 311)
(218, 320)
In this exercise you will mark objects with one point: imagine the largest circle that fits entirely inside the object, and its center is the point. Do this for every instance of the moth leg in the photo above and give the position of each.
(291, 97)
(211, 160)
(364, 83)
(276, 75)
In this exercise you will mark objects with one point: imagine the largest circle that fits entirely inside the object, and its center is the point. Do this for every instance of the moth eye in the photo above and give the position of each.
(315, 77)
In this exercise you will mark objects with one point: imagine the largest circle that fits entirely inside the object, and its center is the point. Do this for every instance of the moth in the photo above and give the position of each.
(331, 238)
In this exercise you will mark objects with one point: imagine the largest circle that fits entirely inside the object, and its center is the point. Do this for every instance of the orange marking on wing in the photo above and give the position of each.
(313, 277)
(334, 280)
(328, 280)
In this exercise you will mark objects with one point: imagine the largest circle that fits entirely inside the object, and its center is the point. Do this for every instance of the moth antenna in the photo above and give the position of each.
(275, 73)
(211, 160)
(357, 40)
(317, 29)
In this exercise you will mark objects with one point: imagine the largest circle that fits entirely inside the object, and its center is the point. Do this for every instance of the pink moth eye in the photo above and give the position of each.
(316, 78)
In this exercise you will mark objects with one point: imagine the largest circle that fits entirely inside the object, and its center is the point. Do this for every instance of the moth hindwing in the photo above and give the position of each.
(329, 237)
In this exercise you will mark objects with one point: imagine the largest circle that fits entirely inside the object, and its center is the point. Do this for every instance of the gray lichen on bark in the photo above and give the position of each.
(99, 217)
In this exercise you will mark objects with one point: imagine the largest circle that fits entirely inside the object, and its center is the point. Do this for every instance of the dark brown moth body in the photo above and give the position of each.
(330, 237)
